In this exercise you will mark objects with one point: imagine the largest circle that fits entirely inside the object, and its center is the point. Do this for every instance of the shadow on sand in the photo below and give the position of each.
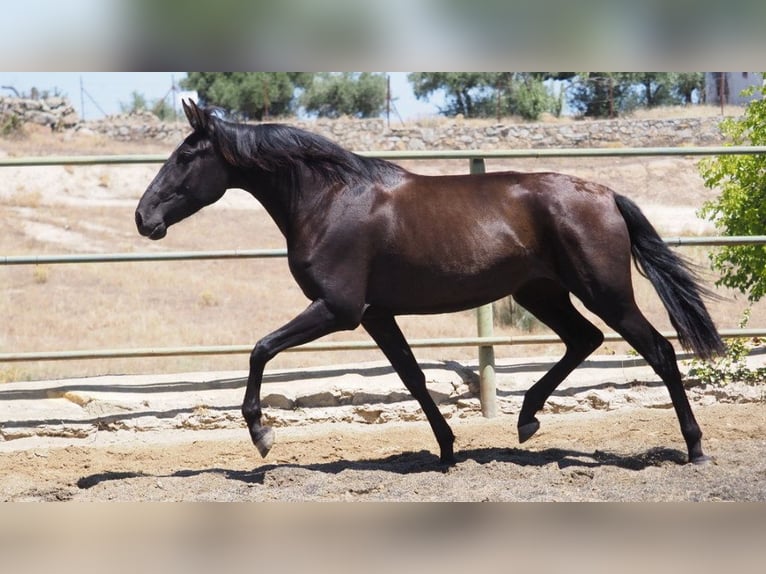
(425, 461)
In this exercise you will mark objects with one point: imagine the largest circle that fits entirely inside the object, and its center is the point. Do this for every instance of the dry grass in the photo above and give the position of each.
(693, 111)
(662, 112)
(37, 140)
(126, 305)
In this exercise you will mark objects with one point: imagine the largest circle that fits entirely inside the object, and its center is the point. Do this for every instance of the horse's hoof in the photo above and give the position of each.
(263, 439)
(702, 460)
(526, 431)
(448, 459)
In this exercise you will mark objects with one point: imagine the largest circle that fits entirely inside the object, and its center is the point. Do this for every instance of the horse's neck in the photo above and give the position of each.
(288, 198)
(275, 198)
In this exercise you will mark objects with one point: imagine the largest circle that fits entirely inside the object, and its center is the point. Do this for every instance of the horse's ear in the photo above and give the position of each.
(188, 112)
(196, 116)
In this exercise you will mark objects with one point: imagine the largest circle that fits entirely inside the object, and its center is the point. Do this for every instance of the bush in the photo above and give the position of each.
(731, 367)
(10, 124)
(533, 99)
(741, 207)
(508, 313)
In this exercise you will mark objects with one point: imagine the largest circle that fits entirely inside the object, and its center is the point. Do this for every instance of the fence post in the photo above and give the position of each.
(487, 389)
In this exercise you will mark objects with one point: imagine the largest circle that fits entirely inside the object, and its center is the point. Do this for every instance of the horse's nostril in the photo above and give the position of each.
(139, 220)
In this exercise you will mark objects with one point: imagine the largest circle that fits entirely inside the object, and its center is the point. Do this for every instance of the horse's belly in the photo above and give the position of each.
(438, 290)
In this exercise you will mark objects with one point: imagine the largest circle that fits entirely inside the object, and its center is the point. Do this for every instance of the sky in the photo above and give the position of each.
(105, 91)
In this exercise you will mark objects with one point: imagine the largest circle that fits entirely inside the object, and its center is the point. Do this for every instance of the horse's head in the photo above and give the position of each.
(194, 176)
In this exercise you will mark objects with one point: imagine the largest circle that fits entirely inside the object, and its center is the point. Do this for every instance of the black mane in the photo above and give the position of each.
(278, 148)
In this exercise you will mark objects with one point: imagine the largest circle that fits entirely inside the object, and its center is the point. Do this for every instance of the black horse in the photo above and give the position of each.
(368, 240)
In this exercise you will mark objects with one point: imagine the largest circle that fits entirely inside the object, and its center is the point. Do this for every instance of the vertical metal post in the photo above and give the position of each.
(484, 324)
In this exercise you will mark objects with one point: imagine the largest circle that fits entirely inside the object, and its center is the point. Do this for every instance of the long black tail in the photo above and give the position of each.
(675, 282)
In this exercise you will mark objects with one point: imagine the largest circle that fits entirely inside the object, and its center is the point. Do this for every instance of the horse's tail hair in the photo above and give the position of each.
(676, 283)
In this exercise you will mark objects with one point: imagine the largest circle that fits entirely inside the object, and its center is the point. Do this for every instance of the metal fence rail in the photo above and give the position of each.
(154, 352)
(133, 257)
(485, 340)
(710, 241)
(691, 151)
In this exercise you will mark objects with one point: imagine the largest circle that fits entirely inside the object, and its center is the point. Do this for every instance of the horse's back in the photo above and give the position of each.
(518, 210)
(450, 242)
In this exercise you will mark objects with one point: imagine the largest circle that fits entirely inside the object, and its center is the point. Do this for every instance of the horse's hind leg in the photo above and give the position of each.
(383, 329)
(625, 318)
(550, 303)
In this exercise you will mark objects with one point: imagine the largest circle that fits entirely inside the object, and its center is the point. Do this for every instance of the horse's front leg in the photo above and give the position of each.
(383, 328)
(317, 320)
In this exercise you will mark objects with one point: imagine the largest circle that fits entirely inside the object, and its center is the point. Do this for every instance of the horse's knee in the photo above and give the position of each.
(262, 353)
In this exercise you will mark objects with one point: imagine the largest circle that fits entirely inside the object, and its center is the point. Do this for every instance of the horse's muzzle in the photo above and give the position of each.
(156, 231)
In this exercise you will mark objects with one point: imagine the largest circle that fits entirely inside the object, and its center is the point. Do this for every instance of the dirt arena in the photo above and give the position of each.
(624, 451)
(606, 435)
(635, 455)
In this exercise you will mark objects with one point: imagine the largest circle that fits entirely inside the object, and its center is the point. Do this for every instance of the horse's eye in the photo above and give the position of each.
(185, 155)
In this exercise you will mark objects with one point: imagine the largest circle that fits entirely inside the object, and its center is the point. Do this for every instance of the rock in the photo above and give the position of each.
(56, 102)
(42, 118)
(55, 112)
(440, 391)
(367, 397)
(70, 120)
(369, 414)
(600, 399)
(278, 401)
(471, 405)
(649, 397)
(320, 399)
(557, 404)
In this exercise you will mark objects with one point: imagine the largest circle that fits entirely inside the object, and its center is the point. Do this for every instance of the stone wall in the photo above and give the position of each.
(56, 113)
(435, 134)
(443, 134)
(466, 135)
(136, 127)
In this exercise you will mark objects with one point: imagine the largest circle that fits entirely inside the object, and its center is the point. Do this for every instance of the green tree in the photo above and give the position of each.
(740, 209)
(331, 95)
(460, 89)
(687, 83)
(137, 103)
(600, 94)
(256, 95)
(488, 94)
(163, 110)
(159, 107)
(654, 88)
(605, 94)
(530, 98)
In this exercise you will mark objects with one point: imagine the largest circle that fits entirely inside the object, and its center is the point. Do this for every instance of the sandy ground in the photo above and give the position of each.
(606, 457)
(607, 435)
